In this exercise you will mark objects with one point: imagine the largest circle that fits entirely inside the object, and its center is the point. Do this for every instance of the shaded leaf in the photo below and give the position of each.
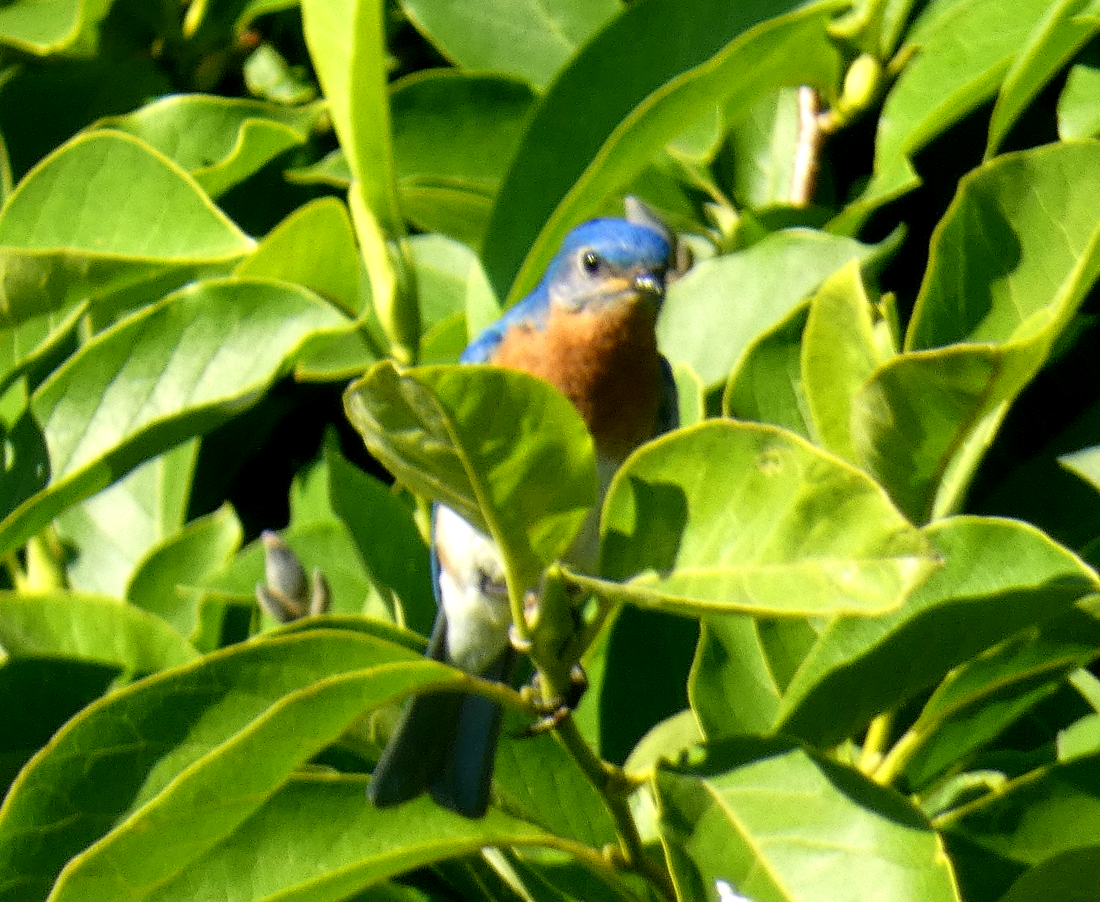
(165, 582)
(727, 517)
(998, 577)
(1058, 35)
(108, 534)
(102, 213)
(965, 52)
(504, 449)
(220, 141)
(194, 722)
(777, 825)
(166, 373)
(532, 39)
(721, 305)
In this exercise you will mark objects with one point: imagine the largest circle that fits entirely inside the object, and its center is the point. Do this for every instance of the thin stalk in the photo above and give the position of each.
(875, 742)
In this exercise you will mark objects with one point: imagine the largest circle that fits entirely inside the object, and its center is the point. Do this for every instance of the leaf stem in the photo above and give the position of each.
(874, 743)
(614, 785)
(898, 758)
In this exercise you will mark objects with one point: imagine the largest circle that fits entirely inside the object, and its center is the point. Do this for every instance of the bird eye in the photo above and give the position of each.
(592, 262)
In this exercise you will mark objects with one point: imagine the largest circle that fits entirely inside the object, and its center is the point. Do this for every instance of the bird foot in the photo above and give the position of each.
(554, 710)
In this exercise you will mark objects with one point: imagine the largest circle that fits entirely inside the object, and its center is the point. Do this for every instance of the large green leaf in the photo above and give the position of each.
(766, 385)
(63, 625)
(714, 313)
(347, 44)
(772, 823)
(58, 652)
(1058, 35)
(220, 141)
(105, 212)
(164, 581)
(628, 93)
(166, 373)
(727, 517)
(184, 757)
(454, 134)
(504, 449)
(110, 532)
(1051, 810)
(385, 534)
(313, 247)
(531, 40)
(742, 667)
(1068, 877)
(49, 26)
(983, 325)
(979, 699)
(998, 577)
(340, 845)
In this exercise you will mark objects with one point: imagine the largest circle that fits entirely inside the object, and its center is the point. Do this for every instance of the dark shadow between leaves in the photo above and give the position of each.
(24, 463)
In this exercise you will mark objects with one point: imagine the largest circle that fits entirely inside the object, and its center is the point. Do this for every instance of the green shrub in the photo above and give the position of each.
(844, 616)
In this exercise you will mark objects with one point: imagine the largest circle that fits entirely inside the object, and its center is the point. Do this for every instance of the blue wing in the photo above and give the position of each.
(530, 312)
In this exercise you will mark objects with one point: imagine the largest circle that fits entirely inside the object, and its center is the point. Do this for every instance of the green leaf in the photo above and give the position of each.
(1049, 811)
(742, 667)
(839, 354)
(110, 532)
(1068, 877)
(986, 694)
(220, 141)
(665, 742)
(164, 582)
(721, 305)
(185, 757)
(1063, 30)
(102, 213)
(387, 540)
(922, 423)
(43, 27)
(770, 822)
(573, 809)
(727, 517)
(757, 161)
(766, 384)
(503, 449)
(341, 844)
(347, 43)
(965, 50)
(92, 628)
(313, 247)
(449, 281)
(166, 373)
(591, 134)
(1039, 238)
(998, 577)
(479, 118)
(1078, 112)
(531, 40)
(690, 395)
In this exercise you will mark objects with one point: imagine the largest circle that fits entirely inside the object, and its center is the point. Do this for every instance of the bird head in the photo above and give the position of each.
(608, 261)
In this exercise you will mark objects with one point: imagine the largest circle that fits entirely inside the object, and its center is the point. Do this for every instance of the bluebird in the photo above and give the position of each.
(588, 329)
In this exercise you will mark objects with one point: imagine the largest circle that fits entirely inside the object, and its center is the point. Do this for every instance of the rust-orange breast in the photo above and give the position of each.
(605, 361)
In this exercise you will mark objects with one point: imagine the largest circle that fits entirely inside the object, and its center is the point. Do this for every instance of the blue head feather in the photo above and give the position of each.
(623, 245)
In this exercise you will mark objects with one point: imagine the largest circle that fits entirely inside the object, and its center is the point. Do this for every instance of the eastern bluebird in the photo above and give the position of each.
(588, 329)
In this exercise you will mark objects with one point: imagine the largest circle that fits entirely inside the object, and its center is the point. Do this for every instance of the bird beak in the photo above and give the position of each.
(649, 283)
